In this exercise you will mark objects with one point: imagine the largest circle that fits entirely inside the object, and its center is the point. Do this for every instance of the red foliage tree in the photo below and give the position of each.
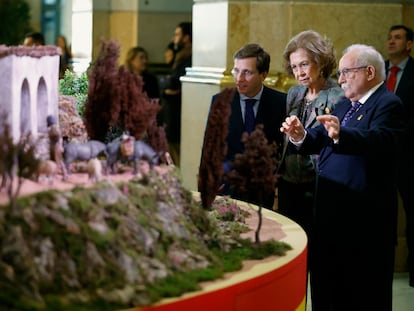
(102, 92)
(214, 148)
(116, 100)
(254, 170)
(137, 111)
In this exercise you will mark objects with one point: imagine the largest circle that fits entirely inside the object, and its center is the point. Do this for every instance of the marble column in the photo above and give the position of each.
(115, 20)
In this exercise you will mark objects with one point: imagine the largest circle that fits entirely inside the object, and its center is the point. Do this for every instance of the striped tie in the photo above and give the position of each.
(355, 106)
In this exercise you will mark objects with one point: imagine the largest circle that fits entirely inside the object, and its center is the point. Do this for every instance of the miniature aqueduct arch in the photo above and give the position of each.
(29, 79)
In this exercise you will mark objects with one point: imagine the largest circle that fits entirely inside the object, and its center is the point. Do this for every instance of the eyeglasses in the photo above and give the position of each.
(347, 71)
(302, 66)
(246, 73)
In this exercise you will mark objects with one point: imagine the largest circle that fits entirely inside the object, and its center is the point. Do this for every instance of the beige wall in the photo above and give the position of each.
(155, 31)
(224, 27)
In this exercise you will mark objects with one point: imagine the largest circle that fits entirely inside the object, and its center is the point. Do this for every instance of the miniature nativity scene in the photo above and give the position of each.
(93, 214)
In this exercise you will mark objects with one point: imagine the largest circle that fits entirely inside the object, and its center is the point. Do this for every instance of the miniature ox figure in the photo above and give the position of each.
(82, 151)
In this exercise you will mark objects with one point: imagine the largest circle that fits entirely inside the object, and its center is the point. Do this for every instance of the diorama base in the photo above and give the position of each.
(275, 283)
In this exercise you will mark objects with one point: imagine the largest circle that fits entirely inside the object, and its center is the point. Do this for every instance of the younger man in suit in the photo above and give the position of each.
(251, 67)
(399, 45)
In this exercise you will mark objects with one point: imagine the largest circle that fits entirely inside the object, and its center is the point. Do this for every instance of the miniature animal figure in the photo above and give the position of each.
(94, 169)
(73, 151)
(48, 169)
(140, 151)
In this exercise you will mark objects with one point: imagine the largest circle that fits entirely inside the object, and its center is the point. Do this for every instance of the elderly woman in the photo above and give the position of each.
(310, 58)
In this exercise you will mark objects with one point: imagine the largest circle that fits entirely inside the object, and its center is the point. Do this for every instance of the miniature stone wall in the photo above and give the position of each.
(29, 79)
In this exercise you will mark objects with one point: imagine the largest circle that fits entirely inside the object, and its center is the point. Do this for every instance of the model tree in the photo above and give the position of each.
(254, 170)
(116, 102)
(211, 171)
(157, 138)
(134, 111)
(18, 161)
(102, 92)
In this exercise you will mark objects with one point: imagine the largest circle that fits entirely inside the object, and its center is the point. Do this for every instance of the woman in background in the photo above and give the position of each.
(137, 63)
(66, 56)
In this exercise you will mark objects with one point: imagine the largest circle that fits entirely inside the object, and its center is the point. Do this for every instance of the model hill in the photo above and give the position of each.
(114, 245)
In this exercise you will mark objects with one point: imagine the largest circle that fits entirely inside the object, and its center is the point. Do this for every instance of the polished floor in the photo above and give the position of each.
(403, 299)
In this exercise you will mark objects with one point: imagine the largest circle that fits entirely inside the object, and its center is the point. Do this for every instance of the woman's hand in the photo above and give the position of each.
(293, 128)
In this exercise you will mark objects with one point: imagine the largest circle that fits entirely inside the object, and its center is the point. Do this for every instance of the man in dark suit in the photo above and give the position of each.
(355, 213)
(251, 67)
(171, 100)
(399, 45)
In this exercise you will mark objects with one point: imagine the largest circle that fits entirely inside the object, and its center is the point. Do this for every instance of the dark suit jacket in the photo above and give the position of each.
(356, 196)
(271, 113)
(405, 91)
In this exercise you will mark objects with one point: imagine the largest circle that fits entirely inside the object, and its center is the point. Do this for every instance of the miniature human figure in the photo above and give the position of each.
(56, 144)
(399, 45)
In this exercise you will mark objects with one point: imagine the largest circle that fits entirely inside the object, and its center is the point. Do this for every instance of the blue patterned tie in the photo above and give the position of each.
(350, 112)
(249, 115)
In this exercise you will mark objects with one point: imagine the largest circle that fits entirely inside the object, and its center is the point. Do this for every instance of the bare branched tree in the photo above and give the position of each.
(254, 170)
(17, 161)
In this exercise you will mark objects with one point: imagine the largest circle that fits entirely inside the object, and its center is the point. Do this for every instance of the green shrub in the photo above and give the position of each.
(75, 85)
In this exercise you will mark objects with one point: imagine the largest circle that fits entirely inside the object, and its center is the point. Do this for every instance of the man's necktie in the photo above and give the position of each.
(392, 79)
(355, 106)
(249, 115)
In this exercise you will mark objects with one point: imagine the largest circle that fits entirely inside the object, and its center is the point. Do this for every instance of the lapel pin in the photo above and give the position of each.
(359, 117)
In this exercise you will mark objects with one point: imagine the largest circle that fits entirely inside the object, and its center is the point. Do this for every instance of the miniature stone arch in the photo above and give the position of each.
(29, 80)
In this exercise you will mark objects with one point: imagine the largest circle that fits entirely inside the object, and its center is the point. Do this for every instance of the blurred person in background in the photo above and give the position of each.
(65, 56)
(137, 62)
(34, 39)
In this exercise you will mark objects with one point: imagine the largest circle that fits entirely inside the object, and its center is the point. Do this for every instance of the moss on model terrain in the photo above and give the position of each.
(117, 245)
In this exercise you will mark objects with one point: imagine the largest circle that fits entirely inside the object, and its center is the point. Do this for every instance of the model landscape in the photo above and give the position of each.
(113, 246)
(115, 243)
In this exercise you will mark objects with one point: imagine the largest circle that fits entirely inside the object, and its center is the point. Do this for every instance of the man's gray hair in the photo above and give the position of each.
(368, 56)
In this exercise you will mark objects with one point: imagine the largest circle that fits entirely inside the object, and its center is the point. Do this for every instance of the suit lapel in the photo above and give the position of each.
(407, 76)
(236, 115)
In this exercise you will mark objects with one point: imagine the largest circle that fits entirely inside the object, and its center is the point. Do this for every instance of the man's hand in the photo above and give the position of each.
(331, 124)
